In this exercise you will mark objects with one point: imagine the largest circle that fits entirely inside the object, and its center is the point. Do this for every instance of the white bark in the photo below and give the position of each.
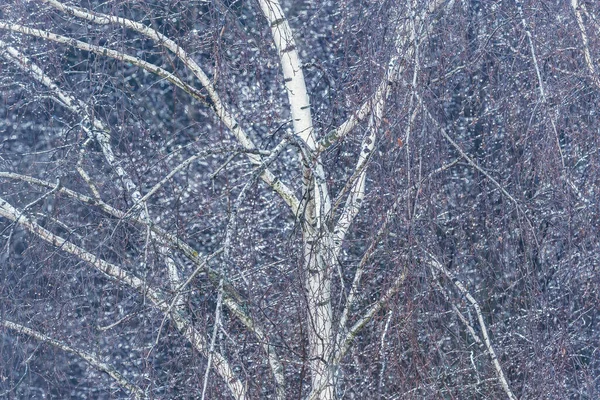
(484, 332)
(100, 133)
(318, 258)
(232, 299)
(540, 80)
(584, 40)
(292, 71)
(157, 298)
(213, 98)
(91, 358)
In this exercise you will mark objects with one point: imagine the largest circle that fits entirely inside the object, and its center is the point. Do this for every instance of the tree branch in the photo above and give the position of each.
(404, 46)
(486, 339)
(91, 358)
(293, 76)
(116, 273)
(224, 115)
(584, 39)
(346, 342)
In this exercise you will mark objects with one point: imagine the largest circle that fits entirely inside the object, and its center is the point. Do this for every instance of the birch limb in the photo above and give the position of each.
(314, 184)
(404, 46)
(354, 290)
(222, 112)
(97, 129)
(232, 300)
(102, 137)
(292, 71)
(351, 334)
(584, 39)
(84, 175)
(540, 80)
(158, 299)
(406, 37)
(91, 358)
(273, 358)
(591, 17)
(102, 51)
(357, 193)
(165, 238)
(486, 339)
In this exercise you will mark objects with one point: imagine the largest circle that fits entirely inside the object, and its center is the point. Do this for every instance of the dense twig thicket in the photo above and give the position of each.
(299, 199)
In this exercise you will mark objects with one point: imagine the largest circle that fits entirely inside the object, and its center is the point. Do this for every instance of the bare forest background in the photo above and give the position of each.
(276, 199)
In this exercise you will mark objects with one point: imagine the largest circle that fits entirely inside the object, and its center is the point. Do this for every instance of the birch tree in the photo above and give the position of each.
(316, 200)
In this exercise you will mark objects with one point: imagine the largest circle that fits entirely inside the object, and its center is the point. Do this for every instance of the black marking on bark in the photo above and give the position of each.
(277, 22)
(286, 80)
(288, 49)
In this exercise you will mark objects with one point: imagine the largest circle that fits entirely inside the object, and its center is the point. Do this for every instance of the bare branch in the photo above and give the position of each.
(584, 39)
(233, 299)
(350, 335)
(120, 275)
(292, 71)
(222, 112)
(103, 51)
(405, 43)
(91, 358)
(486, 339)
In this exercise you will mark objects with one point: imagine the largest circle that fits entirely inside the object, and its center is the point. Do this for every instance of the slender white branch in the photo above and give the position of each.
(120, 275)
(213, 339)
(382, 348)
(584, 39)
(354, 289)
(91, 358)
(357, 192)
(346, 341)
(532, 49)
(100, 133)
(233, 300)
(590, 17)
(165, 238)
(484, 332)
(214, 99)
(92, 126)
(458, 313)
(84, 175)
(539, 77)
(406, 37)
(103, 51)
(405, 41)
